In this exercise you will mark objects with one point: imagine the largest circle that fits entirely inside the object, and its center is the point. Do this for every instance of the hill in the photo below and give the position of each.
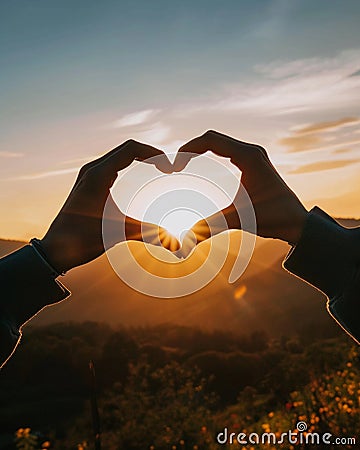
(265, 298)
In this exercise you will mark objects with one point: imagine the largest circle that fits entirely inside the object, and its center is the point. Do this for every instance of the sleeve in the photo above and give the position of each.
(327, 256)
(27, 285)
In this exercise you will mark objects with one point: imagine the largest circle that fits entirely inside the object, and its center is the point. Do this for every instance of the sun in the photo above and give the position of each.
(179, 220)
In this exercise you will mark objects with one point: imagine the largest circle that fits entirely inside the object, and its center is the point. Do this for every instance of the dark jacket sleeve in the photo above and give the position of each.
(27, 285)
(327, 256)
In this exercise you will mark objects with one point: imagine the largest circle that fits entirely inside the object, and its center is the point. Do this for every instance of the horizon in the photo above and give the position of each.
(345, 219)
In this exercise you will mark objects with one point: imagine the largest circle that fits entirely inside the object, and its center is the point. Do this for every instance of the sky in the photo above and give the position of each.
(78, 78)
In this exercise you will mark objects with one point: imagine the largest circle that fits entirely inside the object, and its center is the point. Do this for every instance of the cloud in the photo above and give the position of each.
(345, 61)
(301, 143)
(45, 174)
(342, 150)
(344, 142)
(82, 160)
(355, 74)
(320, 135)
(136, 118)
(307, 84)
(290, 90)
(327, 126)
(11, 155)
(143, 126)
(323, 165)
(155, 134)
(317, 142)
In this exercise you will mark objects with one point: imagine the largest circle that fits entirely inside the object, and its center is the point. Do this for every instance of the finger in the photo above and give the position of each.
(100, 175)
(182, 160)
(98, 162)
(239, 152)
(218, 143)
(123, 155)
(224, 220)
(168, 241)
(150, 234)
(188, 243)
(118, 227)
(131, 150)
(190, 150)
(151, 155)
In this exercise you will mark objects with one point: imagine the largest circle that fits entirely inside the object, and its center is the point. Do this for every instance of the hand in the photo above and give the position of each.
(279, 213)
(75, 236)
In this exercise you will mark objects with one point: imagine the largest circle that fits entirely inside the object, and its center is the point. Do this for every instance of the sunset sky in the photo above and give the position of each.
(79, 77)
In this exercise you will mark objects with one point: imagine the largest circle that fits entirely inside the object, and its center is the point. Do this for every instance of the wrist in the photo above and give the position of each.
(38, 248)
(53, 255)
(294, 230)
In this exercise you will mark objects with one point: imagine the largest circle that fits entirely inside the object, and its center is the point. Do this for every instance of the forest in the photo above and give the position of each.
(175, 387)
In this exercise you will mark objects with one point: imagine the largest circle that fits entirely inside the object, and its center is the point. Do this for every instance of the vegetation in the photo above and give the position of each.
(169, 387)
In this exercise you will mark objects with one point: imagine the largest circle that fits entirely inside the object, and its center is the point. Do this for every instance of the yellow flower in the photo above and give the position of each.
(20, 432)
(23, 432)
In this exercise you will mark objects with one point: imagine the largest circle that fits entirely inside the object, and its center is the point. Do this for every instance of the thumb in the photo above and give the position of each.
(188, 243)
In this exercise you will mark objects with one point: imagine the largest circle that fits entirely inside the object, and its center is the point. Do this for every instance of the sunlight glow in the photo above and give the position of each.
(179, 221)
(176, 201)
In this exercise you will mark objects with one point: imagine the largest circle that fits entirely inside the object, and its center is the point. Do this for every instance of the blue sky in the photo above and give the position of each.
(79, 77)
(75, 57)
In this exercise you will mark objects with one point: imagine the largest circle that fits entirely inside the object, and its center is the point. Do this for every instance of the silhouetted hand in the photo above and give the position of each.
(279, 213)
(75, 236)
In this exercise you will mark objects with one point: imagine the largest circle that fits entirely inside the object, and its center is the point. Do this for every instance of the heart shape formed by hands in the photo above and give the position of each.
(88, 223)
(202, 230)
(176, 201)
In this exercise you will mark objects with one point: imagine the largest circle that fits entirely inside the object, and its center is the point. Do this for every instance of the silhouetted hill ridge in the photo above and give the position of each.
(271, 299)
